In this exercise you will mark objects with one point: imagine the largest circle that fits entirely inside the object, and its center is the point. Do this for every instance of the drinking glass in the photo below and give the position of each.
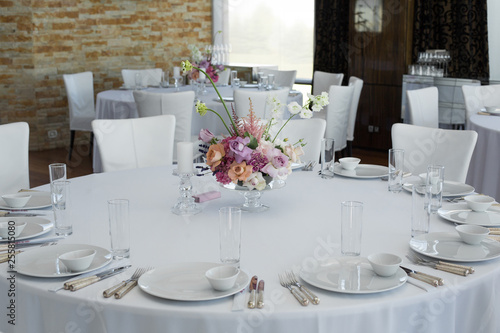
(327, 158)
(270, 78)
(351, 226)
(57, 171)
(61, 206)
(396, 161)
(138, 81)
(420, 212)
(435, 181)
(234, 75)
(119, 228)
(230, 235)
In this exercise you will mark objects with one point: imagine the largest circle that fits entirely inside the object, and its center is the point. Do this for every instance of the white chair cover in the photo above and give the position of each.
(135, 143)
(424, 146)
(14, 168)
(478, 97)
(357, 83)
(150, 77)
(323, 80)
(312, 131)
(242, 99)
(424, 107)
(337, 115)
(282, 79)
(224, 77)
(80, 91)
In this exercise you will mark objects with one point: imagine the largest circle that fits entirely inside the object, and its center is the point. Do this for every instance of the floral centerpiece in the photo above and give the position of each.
(252, 153)
(203, 60)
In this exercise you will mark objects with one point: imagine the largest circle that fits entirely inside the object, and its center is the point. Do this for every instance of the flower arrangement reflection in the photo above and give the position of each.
(252, 153)
(203, 60)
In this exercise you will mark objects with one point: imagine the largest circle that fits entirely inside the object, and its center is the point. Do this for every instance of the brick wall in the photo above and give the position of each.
(40, 40)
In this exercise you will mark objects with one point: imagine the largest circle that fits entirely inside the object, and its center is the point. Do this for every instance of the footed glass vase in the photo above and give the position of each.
(252, 202)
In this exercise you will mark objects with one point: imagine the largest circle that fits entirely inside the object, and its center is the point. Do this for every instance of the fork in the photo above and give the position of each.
(121, 286)
(285, 283)
(440, 265)
(293, 280)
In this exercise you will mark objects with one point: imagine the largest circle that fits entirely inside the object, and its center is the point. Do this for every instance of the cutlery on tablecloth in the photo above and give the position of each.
(26, 243)
(128, 286)
(296, 293)
(441, 265)
(260, 295)
(309, 294)
(432, 280)
(252, 287)
(86, 281)
(18, 214)
(114, 289)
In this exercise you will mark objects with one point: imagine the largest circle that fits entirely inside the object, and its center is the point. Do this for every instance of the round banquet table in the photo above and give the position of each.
(120, 104)
(301, 226)
(484, 169)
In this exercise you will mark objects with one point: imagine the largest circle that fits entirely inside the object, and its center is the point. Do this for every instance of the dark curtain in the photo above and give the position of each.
(459, 26)
(331, 36)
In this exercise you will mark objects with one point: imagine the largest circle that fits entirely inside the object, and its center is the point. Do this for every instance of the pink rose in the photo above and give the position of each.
(205, 136)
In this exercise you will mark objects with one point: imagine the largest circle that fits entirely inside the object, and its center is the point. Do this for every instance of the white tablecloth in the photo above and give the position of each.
(119, 104)
(484, 169)
(301, 226)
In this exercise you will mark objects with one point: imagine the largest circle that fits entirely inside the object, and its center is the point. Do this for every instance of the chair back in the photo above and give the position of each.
(149, 77)
(312, 131)
(337, 114)
(357, 83)
(224, 77)
(135, 143)
(14, 168)
(282, 79)
(424, 107)
(242, 98)
(323, 80)
(425, 145)
(80, 91)
(479, 97)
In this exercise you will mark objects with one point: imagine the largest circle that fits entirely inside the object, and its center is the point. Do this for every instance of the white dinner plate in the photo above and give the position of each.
(187, 282)
(362, 171)
(44, 262)
(351, 275)
(449, 246)
(226, 99)
(249, 85)
(35, 226)
(450, 188)
(460, 213)
(38, 200)
(296, 166)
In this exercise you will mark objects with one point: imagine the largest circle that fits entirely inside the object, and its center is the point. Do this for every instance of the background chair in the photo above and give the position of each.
(337, 115)
(424, 107)
(424, 145)
(312, 131)
(478, 97)
(80, 91)
(224, 77)
(323, 80)
(179, 104)
(282, 79)
(357, 83)
(14, 168)
(259, 101)
(135, 143)
(150, 77)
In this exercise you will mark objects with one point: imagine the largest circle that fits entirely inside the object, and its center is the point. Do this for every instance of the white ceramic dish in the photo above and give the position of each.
(226, 99)
(362, 171)
(472, 234)
(351, 275)
(44, 261)
(349, 163)
(249, 85)
(385, 264)
(296, 166)
(17, 200)
(450, 188)
(9, 229)
(38, 200)
(449, 246)
(478, 202)
(187, 282)
(35, 226)
(461, 214)
(495, 110)
(79, 260)
(222, 278)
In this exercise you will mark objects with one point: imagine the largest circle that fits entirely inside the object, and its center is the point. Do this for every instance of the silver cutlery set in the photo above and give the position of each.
(301, 293)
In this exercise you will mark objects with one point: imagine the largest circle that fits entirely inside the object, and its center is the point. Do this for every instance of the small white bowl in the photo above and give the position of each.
(9, 229)
(385, 264)
(423, 177)
(222, 277)
(17, 200)
(78, 260)
(478, 202)
(472, 234)
(349, 163)
(492, 109)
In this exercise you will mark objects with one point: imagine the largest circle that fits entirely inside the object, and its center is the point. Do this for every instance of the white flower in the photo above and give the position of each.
(294, 108)
(306, 113)
(275, 105)
(196, 55)
(255, 180)
(317, 107)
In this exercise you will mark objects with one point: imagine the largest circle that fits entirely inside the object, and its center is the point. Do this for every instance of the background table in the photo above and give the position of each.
(301, 226)
(484, 169)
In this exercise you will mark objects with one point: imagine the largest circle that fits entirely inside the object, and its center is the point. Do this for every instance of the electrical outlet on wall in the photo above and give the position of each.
(370, 128)
(52, 134)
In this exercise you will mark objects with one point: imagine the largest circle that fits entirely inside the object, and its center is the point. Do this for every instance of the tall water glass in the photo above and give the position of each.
(119, 228)
(57, 171)
(61, 206)
(327, 158)
(230, 235)
(435, 180)
(234, 75)
(351, 227)
(138, 81)
(396, 161)
(270, 79)
(420, 213)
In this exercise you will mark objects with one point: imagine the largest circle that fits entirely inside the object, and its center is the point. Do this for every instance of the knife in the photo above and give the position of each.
(260, 295)
(32, 242)
(83, 282)
(432, 280)
(14, 214)
(253, 286)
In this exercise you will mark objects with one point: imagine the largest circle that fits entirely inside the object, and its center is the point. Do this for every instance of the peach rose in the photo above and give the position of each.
(215, 154)
(239, 171)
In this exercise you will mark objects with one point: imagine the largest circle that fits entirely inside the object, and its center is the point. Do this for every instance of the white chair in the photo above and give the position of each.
(80, 91)
(136, 142)
(242, 99)
(424, 107)
(224, 77)
(282, 79)
(337, 115)
(149, 77)
(179, 104)
(357, 83)
(14, 149)
(478, 97)
(323, 80)
(311, 130)
(424, 145)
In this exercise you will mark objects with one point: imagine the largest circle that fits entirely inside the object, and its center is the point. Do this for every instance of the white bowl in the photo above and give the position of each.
(492, 109)
(78, 260)
(423, 177)
(17, 200)
(478, 202)
(385, 264)
(222, 277)
(11, 228)
(349, 163)
(472, 234)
